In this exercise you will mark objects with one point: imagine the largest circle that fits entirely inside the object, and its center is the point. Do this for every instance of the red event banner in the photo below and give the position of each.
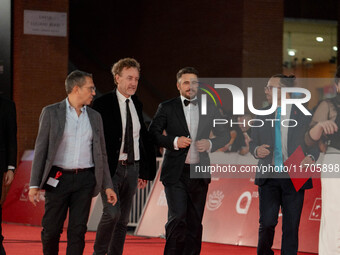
(17, 208)
(231, 215)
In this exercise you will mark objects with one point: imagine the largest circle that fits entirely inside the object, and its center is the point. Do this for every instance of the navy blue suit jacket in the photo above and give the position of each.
(266, 135)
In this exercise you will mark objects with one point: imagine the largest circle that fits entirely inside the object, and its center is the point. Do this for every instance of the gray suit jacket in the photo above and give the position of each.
(51, 129)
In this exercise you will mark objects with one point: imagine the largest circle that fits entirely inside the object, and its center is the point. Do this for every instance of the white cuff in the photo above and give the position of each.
(311, 156)
(255, 154)
(209, 150)
(175, 143)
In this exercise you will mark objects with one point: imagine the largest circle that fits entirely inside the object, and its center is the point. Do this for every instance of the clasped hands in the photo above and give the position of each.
(263, 151)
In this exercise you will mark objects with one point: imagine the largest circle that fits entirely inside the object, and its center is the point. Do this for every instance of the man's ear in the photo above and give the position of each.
(117, 77)
(75, 89)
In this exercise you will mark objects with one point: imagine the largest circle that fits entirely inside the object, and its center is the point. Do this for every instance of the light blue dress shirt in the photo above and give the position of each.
(75, 149)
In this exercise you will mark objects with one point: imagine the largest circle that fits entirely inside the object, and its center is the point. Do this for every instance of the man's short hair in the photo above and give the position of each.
(76, 78)
(285, 80)
(118, 67)
(186, 70)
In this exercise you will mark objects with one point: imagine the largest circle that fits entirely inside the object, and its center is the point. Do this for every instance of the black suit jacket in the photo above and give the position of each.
(170, 117)
(8, 135)
(266, 135)
(108, 106)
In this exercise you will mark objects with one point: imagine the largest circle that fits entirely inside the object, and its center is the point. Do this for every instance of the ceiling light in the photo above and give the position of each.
(335, 48)
(319, 39)
(309, 59)
(291, 52)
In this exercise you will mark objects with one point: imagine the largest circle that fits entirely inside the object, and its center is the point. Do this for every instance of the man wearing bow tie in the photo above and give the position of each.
(272, 145)
(187, 145)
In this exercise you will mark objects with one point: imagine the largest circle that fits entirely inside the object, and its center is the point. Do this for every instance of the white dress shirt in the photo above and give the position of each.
(191, 113)
(135, 125)
(75, 149)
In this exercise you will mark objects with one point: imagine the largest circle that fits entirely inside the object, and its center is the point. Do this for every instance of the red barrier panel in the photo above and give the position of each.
(17, 208)
(231, 214)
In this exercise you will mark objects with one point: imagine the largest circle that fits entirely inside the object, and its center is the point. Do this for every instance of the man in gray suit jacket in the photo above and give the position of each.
(70, 163)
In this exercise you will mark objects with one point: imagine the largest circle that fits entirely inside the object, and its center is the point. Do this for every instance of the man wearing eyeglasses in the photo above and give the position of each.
(131, 154)
(272, 145)
(70, 163)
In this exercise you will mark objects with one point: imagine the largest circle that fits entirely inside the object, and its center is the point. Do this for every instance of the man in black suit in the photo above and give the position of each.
(131, 154)
(8, 148)
(272, 145)
(187, 145)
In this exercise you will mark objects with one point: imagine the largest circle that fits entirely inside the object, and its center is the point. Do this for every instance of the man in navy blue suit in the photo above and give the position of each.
(272, 145)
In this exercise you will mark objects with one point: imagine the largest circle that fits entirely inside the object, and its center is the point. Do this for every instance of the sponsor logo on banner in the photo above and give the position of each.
(315, 214)
(162, 199)
(215, 200)
(24, 193)
(243, 203)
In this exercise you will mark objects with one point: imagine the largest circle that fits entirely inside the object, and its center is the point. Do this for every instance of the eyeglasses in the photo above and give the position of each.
(270, 88)
(93, 89)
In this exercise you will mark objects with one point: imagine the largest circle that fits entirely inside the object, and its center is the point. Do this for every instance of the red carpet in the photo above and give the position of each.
(25, 240)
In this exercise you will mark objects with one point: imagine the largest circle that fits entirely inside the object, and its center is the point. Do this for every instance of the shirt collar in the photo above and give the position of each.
(69, 107)
(122, 98)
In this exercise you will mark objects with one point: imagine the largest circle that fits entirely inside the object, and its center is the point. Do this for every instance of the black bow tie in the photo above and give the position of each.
(187, 102)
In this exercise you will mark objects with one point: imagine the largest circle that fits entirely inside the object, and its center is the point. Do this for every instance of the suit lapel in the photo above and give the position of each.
(293, 115)
(202, 121)
(92, 121)
(180, 114)
(61, 118)
(61, 113)
(272, 129)
(116, 111)
(138, 109)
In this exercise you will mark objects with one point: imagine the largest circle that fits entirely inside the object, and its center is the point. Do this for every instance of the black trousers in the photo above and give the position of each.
(273, 194)
(111, 231)
(186, 202)
(2, 249)
(74, 192)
